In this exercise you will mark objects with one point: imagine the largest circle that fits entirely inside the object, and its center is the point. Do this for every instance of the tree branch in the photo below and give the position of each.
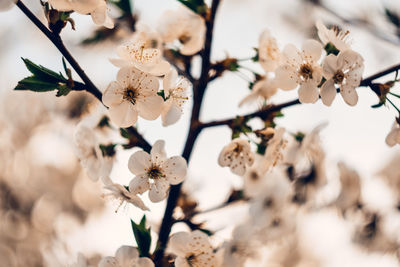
(78, 86)
(199, 88)
(56, 40)
(269, 109)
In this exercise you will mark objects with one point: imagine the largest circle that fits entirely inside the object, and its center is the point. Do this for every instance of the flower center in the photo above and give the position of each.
(130, 95)
(155, 173)
(184, 38)
(338, 77)
(306, 71)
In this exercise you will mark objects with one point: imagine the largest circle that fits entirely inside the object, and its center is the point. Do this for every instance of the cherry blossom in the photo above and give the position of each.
(96, 8)
(334, 36)
(192, 250)
(301, 68)
(275, 146)
(344, 70)
(90, 155)
(142, 52)
(237, 155)
(184, 28)
(393, 137)
(122, 194)
(126, 256)
(155, 172)
(175, 91)
(133, 94)
(262, 90)
(268, 51)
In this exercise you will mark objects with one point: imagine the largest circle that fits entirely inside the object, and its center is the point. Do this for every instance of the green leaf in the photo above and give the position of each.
(43, 73)
(261, 148)
(34, 84)
(162, 94)
(142, 236)
(197, 6)
(107, 150)
(380, 104)
(63, 90)
(331, 49)
(256, 57)
(125, 133)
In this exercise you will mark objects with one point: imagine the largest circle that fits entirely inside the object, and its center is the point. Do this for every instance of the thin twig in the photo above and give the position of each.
(268, 110)
(199, 88)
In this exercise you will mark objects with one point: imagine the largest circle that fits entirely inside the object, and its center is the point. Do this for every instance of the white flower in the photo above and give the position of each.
(96, 8)
(334, 36)
(241, 247)
(262, 90)
(7, 4)
(255, 177)
(268, 51)
(301, 68)
(344, 70)
(90, 155)
(134, 93)
(350, 192)
(143, 53)
(271, 212)
(126, 256)
(175, 91)
(393, 137)
(192, 250)
(237, 155)
(275, 146)
(155, 172)
(185, 28)
(121, 193)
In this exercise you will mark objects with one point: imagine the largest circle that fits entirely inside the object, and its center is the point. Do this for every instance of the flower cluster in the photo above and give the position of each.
(292, 68)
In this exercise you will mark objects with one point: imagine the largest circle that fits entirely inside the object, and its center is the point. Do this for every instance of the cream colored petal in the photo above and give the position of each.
(328, 92)
(139, 184)
(286, 77)
(108, 262)
(113, 94)
(158, 190)
(175, 169)
(308, 93)
(169, 80)
(139, 162)
(123, 115)
(329, 66)
(127, 255)
(312, 50)
(99, 14)
(171, 115)
(158, 154)
(349, 95)
(178, 243)
(150, 107)
(145, 262)
(292, 55)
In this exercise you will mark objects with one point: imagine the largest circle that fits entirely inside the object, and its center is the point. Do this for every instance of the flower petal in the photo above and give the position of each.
(127, 255)
(170, 114)
(329, 66)
(124, 114)
(145, 262)
(170, 79)
(349, 94)
(312, 49)
(291, 55)
(308, 93)
(150, 107)
(175, 169)
(328, 92)
(286, 77)
(158, 190)
(178, 243)
(139, 162)
(157, 152)
(113, 94)
(139, 184)
(108, 262)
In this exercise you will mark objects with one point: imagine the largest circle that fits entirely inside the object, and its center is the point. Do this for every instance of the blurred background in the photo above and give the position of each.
(50, 210)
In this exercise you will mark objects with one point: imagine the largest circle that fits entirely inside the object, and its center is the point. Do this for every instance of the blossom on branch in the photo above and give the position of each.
(155, 172)
(126, 256)
(87, 148)
(333, 36)
(175, 92)
(96, 8)
(143, 53)
(184, 29)
(133, 94)
(193, 250)
(269, 54)
(344, 70)
(262, 90)
(301, 68)
(237, 155)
